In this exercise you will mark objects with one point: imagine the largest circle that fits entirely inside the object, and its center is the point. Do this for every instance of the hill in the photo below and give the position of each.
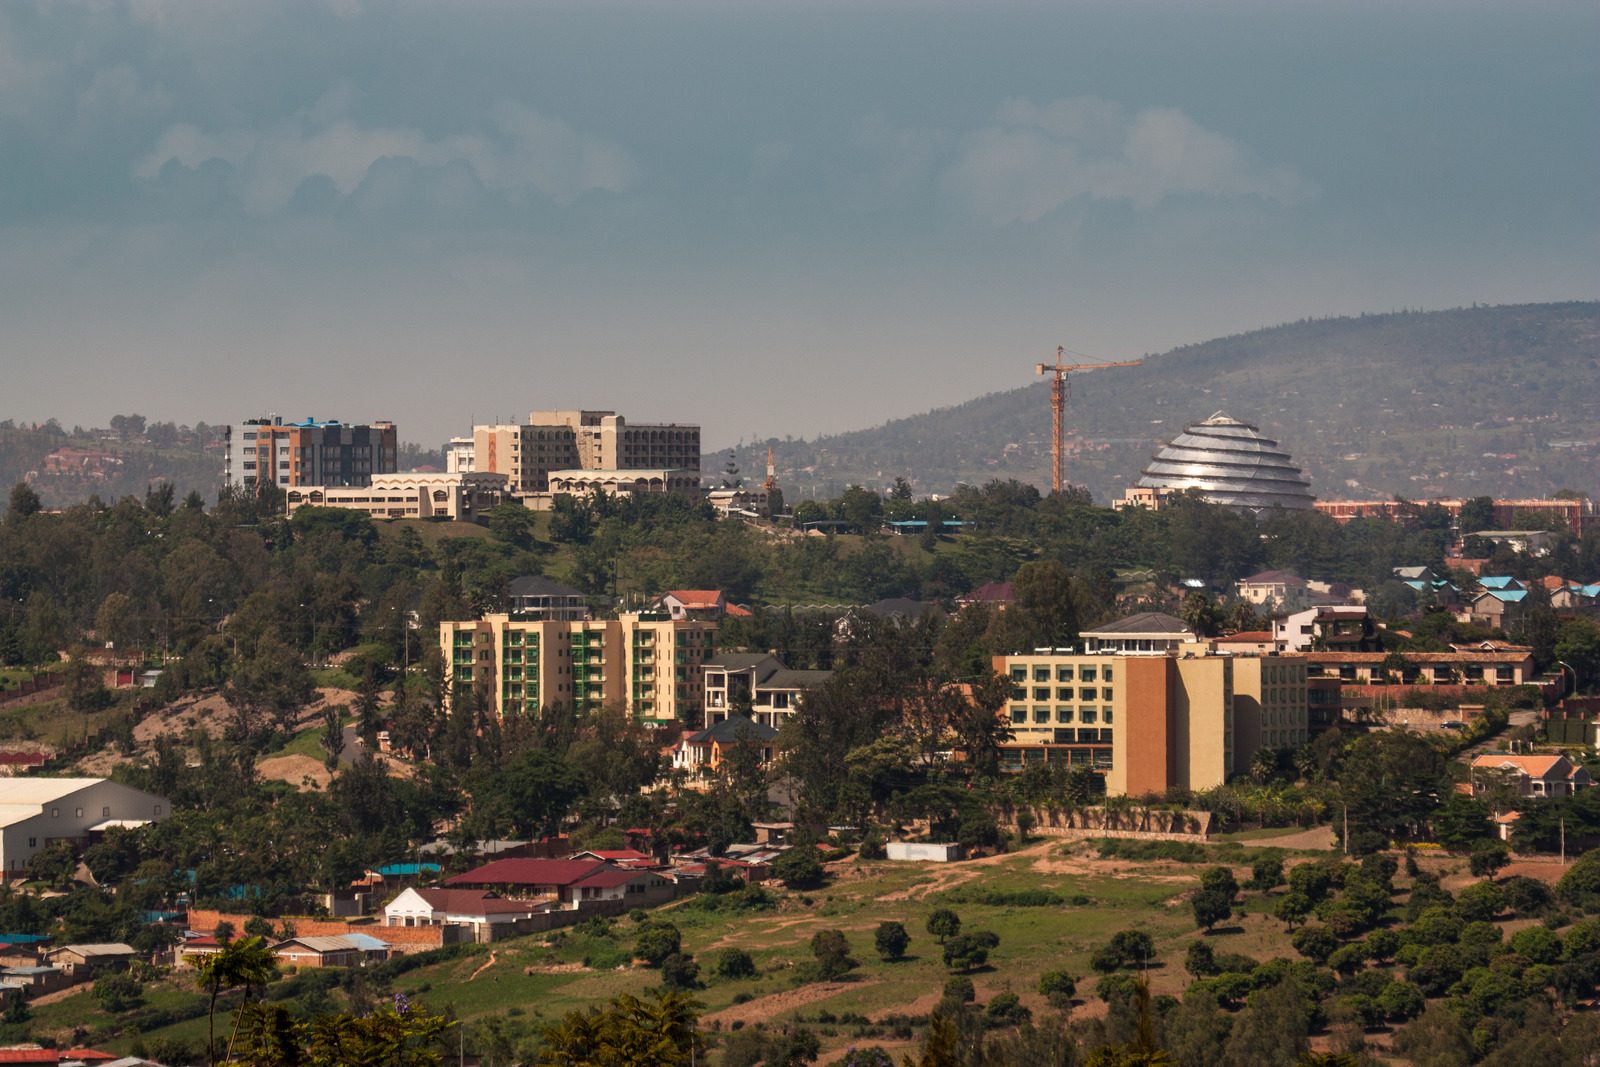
(1484, 400)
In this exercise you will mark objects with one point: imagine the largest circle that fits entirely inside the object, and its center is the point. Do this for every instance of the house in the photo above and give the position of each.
(622, 857)
(693, 603)
(36, 812)
(1327, 627)
(533, 597)
(1248, 642)
(526, 877)
(195, 951)
(1534, 777)
(1576, 597)
(1532, 542)
(1273, 590)
(1496, 608)
(345, 950)
(754, 502)
(81, 963)
(705, 750)
(486, 914)
(996, 596)
(761, 683)
(633, 888)
(62, 1057)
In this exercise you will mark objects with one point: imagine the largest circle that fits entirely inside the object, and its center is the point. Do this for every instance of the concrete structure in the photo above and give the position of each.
(266, 451)
(82, 963)
(411, 495)
(1533, 542)
(922, 851)
(1424, 668)
(753, 502)
(624, 482)
(1529, 777)
(579, 444)
(1495, 608)
(1230, 463)
(771, 691)
(1577, 515)
(459, 455)
(647, 662)
(1328, 627)
(1152, 706)
(485, 914)
(1273, 590)
(36, 812)
(533, 597)
(693, 603)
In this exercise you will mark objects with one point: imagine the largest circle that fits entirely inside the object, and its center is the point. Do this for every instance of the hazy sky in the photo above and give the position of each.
(770, 218)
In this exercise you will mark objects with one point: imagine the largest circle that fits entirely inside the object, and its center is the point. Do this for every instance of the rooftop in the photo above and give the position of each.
(1145, 622)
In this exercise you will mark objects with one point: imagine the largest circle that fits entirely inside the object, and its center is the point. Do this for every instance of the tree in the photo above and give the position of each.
(1391, 783)
(1214, 902)
(1058, 987)
(968, 952)
(800, 868)
(84, 688)
(944, 924)
(1436, 1038)
(1488, 858)
(1272, 1028)
(891, 940)
(659, 1030)
(1462, 822)
(1266, 874)
(656, 941)
(118, 992)
(24, 502)
(679, 971)
(734, 963)
(245, 963)
(832, 953)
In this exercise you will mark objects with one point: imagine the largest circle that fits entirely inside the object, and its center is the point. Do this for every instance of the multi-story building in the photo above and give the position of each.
(770, 691)
(268, 451)
(598, 442)
(534, 597)
(1576, 514)
(647, 662)
(411, 495)
(1152, 706)
(459, 455)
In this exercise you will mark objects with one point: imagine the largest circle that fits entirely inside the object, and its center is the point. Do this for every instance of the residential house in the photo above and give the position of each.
(82, 963)
(485, 914)
(1273, 590)
(693, 604)
(771, 691)
(706, 750)
(1327, 627)
(996, 596)
(631, 887)
(1530, 777)
(1498, 609)
(533, 597)
(526, 877)
(1532, 542)
(345, 950)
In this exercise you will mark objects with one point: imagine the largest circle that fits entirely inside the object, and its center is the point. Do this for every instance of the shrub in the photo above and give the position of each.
(1314, 943)
(1199, 961)
(656, 941)
(832, 954)
(891, 940)
(944, 924)
(1006, 1009)
(680, 972)
(968, 952)
(1537, 943)
(799, 868)
(734, 963)
(1266, 873)
(960, 990)
(1487, 859)
(1059, 987)
(1525, 896)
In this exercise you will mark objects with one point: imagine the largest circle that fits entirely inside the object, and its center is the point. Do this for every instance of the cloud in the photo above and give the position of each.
(523, 153)
(1035, 158)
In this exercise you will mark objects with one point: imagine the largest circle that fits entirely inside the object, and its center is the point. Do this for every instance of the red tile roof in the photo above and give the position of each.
(473, 902)
(1251, 636)
(697, 599)
(527, 872)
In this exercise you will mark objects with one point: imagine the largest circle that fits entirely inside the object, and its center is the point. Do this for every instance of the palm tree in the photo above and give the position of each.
(246, 962)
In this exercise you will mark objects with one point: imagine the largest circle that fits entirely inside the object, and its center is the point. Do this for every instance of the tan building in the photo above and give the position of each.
(409, 495)
(1152, 706)
(649, 663)
(630, 482)
(267, 451)
(598, 442)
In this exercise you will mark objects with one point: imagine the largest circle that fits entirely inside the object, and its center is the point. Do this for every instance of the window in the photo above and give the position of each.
(1041, 692)
(1089, 694)
(1019, 693)
(78, 814)
(1063, 715)
(55, 813)
(1019, 714)
(105, 812)
(1041, 715)
(1088, 714)
(1105, 714)
(1041, 674)
(1105, 674)
(1087, 674)
(1063, 674)
(33, 842)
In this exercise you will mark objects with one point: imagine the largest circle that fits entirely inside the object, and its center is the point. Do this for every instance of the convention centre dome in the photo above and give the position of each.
(1231, 463)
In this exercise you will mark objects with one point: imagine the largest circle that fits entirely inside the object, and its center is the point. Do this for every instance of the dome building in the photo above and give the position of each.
(1230, 462)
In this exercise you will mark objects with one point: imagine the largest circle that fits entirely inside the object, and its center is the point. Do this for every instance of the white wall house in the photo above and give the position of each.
(485, 913)
(34, 812)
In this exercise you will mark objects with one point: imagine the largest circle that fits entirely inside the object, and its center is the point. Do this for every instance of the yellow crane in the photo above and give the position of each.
(1060, 390)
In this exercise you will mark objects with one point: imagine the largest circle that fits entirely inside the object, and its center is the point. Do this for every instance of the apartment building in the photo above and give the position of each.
(411, 495)
(771, 691)
(1152, 706)
(268, 451)
(599, 442)
(647, 662)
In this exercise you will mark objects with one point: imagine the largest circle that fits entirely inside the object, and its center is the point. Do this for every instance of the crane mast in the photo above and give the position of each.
(1060, 391)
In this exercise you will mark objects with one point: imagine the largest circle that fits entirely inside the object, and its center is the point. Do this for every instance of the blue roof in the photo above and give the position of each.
(1509, 596)
(1497, 581)
(366, 942)
(23, 939)
(402, 870)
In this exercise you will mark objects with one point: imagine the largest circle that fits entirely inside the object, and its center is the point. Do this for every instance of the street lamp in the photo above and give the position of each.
(1568, 666)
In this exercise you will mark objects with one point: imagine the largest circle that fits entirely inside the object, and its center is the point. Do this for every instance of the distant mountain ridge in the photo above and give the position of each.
(1500, 400)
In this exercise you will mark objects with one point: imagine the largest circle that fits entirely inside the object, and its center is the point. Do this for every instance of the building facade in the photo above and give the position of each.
(647, 662)
(268, 451)
(412, 495)
(37, 812)
(1152, 710)
(601, 443)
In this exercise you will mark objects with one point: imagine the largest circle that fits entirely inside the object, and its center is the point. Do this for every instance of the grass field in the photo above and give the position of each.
(540, 977)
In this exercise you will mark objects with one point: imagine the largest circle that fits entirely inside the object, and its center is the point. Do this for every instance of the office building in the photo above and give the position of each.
(411, 495)
(589, 450)
(268, 451)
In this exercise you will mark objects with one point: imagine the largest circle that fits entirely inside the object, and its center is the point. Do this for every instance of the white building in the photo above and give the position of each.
(486, 914)
(408, 495)
(36, 812)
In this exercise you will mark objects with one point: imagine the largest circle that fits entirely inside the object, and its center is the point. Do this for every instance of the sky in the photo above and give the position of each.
(772, 219)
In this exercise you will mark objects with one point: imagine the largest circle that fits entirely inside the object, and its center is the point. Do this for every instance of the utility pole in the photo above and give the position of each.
(1060, 391)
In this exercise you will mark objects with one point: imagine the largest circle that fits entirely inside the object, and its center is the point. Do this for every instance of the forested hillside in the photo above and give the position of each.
(1484, 400)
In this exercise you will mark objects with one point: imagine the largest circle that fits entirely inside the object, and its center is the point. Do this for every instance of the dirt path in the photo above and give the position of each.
(60, 994)
(1318, 837)
(763, 1009)
(486, 965)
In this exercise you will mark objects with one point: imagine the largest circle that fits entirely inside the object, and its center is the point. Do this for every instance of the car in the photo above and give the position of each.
(1452, 724)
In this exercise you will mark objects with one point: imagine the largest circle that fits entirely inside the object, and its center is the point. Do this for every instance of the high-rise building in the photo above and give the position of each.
(268, 451)
(600, 442)
(648, 662)
(1151, 706)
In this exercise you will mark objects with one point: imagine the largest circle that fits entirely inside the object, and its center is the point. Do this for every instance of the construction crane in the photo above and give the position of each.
(1060, 390)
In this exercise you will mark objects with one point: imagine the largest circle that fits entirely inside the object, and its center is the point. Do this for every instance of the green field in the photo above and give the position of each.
(540, 977)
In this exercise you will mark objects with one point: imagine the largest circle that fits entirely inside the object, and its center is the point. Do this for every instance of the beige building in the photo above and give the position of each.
(409, 495)
(649, 663)
(598, 442)
(624, 482)
(1152, 709)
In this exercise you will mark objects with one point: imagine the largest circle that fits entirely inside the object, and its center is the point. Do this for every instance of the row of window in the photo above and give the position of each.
(1019, 714)
(1063, 673)
(1042, 692)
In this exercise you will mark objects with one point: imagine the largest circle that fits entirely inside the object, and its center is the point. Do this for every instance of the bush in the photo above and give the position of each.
(1058, 987)
(960, 990)
(968, 952)
(1537, 943)
(1266, 873)
(118, 992)
(1200, 961)
(891, 940)
(1314, 943)
(1487, 859)
(799, 868)
(734, 963)
(1525, 896)
(944, 924)
(832, 954)
(656, 941)
(1006, 1009)
(680, 972)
